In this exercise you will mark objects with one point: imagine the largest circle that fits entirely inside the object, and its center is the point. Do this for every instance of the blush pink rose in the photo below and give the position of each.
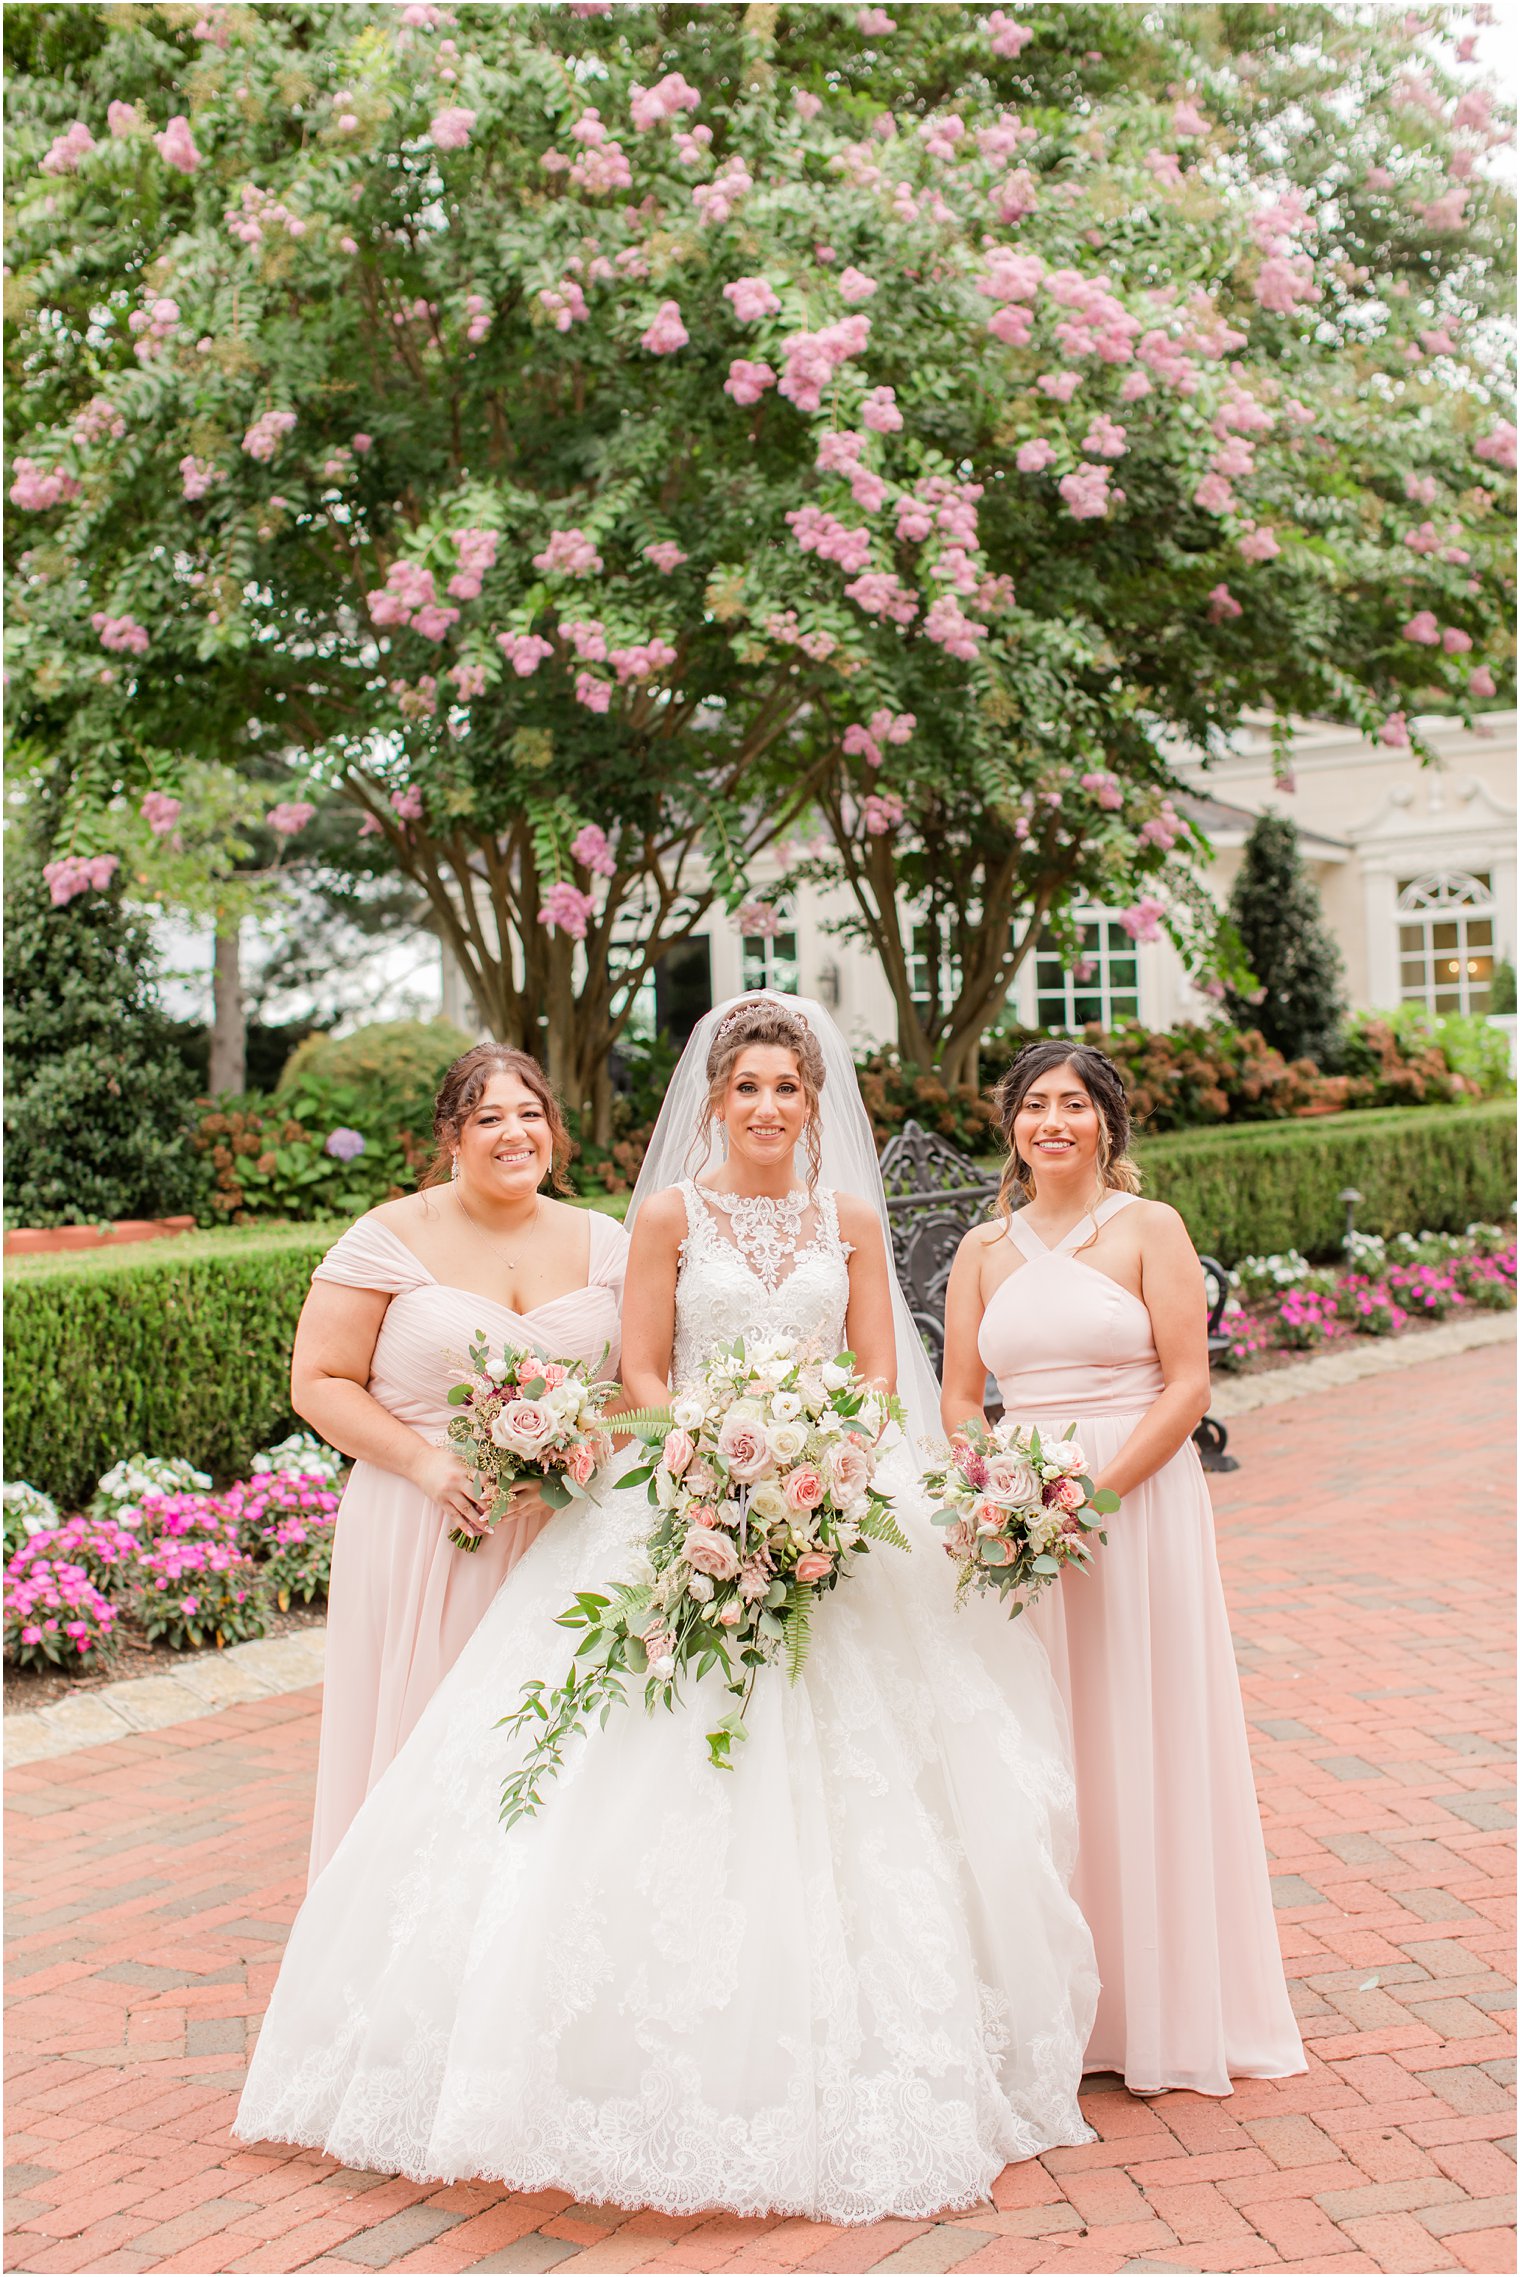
(707, 1550)
(805, 1489)
(1065, 1495)
(729, 1616)
(702, 1514)
(743, 1447)
(677, 1451)
(581, 1464)
(523, 1427)
(814, 1564)
(849, 1471)
(554, 1373)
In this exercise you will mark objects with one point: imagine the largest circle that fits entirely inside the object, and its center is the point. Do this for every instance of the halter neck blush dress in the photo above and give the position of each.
(404, 1600)
(1171, 1867)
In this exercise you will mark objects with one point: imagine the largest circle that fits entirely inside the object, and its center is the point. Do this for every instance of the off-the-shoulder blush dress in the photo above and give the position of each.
(1171, 1867)
(404, 1600)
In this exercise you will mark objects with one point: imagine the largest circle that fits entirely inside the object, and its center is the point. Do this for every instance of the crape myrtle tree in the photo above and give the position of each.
(602, 444)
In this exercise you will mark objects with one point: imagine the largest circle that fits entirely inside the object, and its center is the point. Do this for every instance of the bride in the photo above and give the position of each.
(845, 1979)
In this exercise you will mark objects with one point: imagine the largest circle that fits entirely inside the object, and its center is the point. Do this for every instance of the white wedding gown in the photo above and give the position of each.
(844, 1979)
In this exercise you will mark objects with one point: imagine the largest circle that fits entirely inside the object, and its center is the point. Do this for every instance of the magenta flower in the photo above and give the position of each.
(571, 553)
(747, 382)
(524, 651)
(120, 632)
(566, 909)
(592, 849)
(595, 694)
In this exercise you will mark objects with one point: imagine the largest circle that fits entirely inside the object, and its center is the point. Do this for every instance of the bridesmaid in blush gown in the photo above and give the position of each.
(384, 1332)
(1087, 1305)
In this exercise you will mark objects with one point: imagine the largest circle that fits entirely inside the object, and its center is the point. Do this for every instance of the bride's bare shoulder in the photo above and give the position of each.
(858, 1220)
(663, 1217)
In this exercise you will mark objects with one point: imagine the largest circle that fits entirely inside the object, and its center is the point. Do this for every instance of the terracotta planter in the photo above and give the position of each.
(1322, 1107)
(40, 1241)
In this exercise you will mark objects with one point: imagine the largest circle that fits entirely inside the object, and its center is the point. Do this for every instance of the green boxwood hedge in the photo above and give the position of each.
(183, 1347)
(1253, 1189)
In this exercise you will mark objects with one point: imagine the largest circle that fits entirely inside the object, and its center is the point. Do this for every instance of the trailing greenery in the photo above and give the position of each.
(1256, 1190)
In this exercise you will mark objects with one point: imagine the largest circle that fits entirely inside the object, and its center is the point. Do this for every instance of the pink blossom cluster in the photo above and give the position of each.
(594, 693)
(257, 212)
(477, 311)
(408, 588)
(1008, 38)
(263, 437)
(290, 817)
(158, 321)
(122, 119)
(1394, 732)
(758, 921)
(1188, 120)
(881, 813)
(1142, 921)
(64, 152)
(751, 298)
(407, 803)
(665, 554)
(176, 145)
(1169, 360)
(36, 488)
(855, 286)
(1105, 439)
(955, 632)
(1086, 492)
(592, 848)
(1034, 456)
(1259, 545)
(476, 550)
(1099, 324)
(98, 419)
(469, 679)
(1445, 213)
(214, 25)
(1498, 446)
(716, 200)
(566, 909)
(1165, 165)
(1163, 829)
(665, 100)
(569, 553)
(812, 358)
(53, 1609)
(74, 874)
(1223, 604)
(160, 812)
(667, 333)
(451, 129)
(1284, 282)
(940, 136)
(120, 632)
(524, 651)
(565, 303)
(785, 627)
(603, 162)
(416, 702)
(1099, 784)
(1059, 386)
(588, 637)
(879, 411)
(645, 661)
(1424, 630)
(747, 382)
(882, 593)
(197, 476)
(825, 535)
(884, 726)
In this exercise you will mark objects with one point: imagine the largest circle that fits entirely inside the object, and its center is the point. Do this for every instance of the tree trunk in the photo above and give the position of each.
(229, 1026)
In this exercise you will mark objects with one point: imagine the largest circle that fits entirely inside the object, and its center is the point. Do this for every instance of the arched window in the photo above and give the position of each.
(1446, 941)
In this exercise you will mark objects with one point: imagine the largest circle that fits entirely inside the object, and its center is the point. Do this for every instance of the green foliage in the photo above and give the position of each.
(1502, 994)
(1404, 1058)
(1276, 911)
(272, 1160)
(177, 1344)
(1470, 1048)
(390, 1072)
(1258, 1191)
(98, 1103)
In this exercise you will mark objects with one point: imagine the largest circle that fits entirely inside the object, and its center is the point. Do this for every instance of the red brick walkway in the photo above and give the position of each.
(1367, 1552)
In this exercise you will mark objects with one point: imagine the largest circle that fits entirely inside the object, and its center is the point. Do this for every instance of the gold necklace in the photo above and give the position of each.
(491, 1237)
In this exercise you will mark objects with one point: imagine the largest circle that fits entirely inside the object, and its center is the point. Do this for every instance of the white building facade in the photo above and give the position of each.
(1415, 865)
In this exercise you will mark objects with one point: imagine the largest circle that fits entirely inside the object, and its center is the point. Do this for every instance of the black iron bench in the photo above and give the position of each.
(934, 1197)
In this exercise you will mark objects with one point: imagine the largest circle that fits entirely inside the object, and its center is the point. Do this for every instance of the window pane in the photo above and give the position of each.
(1443, 936)
(1087, 1007)
(1411, 938)
(1123, 973)
(1480, 933)
(1126, 1007)
(1480, 1000)
(1448, 1000)
(1048, 973)
(1412, 973)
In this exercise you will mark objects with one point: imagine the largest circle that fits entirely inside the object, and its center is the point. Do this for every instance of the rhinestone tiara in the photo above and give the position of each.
(780, 1012)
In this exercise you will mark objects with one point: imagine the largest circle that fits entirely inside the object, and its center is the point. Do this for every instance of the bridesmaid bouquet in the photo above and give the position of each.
(522, 1416)
(1017, 1508)
(763, 1480)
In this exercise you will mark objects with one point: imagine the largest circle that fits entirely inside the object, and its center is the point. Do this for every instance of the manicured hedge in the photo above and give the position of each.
(1254, 1189)
(183, 1347)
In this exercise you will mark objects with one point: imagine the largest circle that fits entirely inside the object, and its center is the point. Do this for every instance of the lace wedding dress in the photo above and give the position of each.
(845, 1979)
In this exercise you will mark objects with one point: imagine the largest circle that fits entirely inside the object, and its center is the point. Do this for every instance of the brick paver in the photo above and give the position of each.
(1367, 1555)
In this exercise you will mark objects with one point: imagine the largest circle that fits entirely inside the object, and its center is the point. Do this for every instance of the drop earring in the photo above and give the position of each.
(454, 1171)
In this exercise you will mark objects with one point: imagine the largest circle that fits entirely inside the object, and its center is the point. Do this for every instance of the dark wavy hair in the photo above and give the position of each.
(461, 1092)
(1105, 1087)
(762, 1022)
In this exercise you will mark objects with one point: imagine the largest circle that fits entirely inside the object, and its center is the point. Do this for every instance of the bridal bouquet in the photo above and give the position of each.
(522, 1416)
(1017, 1507)
(763, 1483)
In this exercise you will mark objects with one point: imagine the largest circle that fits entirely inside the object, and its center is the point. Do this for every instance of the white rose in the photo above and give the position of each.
(746, 1411)
(498, 1370)
(846, 1533)
(687, 1413)
(835, 1375)
(664, 1667)
(565, 1400)
(700, 1588)
(786, 1441)
(769, 1504)
(786, 1406)
(668, 1491)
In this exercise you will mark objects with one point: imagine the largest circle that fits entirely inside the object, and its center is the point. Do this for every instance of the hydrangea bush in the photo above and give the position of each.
(604, 443)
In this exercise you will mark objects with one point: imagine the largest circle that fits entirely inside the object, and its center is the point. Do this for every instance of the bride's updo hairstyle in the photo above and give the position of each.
(1105, 1087)
(461, 1092)
(761, 1022)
